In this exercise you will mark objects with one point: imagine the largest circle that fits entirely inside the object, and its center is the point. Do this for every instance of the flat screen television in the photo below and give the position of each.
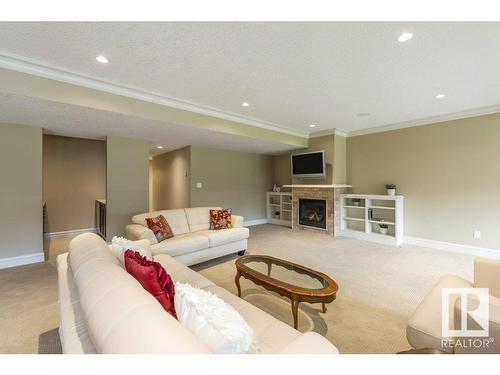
(309, 164)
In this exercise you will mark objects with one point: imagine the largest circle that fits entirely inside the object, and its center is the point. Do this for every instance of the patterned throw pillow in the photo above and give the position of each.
(160, 228)
(220, 219)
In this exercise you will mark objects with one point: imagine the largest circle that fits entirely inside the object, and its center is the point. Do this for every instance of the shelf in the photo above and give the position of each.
(354, 207)
(353, 218)
(383, 207)
(274, 204)
(285, 210)
(381, 222)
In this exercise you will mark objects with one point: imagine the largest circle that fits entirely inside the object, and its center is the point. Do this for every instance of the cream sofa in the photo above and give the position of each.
(105, 310)
(193, 242)
(424, 326)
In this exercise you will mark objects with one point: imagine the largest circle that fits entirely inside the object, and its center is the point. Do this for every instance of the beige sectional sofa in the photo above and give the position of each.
(105, 310)
(193, 242)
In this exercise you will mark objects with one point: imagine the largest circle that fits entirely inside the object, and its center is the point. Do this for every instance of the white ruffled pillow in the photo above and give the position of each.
(119, 245)
(212, 320)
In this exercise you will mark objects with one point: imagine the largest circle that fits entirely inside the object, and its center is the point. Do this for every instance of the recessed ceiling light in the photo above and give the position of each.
(404, 37)
(312, 126)
(440, 96)
(245, 104)
(159, 147)
(362, 114)
(102, 59)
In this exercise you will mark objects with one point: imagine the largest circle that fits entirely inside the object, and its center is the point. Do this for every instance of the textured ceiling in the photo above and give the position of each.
(76, 121)
(292, 74)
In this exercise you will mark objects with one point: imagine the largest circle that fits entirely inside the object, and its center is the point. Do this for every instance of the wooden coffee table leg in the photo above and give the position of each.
(295, 307)
(237, 281)
(324, 307)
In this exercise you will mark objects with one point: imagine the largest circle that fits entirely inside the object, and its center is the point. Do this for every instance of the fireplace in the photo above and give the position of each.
(312, 213)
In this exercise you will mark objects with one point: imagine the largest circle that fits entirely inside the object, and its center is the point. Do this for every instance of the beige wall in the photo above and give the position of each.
(74, 176)
(340, 160)
(231, 179)
(327, 143)
(127, 182)
(20, 191)
(449, 174)
(171, 179)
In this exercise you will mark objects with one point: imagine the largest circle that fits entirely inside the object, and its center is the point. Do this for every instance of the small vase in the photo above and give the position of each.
(391, 191)
(383, 230)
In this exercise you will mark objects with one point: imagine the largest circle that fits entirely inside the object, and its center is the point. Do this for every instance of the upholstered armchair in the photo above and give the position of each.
(424, 328)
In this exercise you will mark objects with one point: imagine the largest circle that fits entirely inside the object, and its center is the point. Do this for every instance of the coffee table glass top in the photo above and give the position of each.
(285, 272)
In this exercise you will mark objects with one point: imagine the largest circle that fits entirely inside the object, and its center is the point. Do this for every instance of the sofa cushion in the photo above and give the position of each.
(199, 217)
(424, 326)
(182, 244)
(220, 219)
(224, 236)
(175, 218)
(181, 273)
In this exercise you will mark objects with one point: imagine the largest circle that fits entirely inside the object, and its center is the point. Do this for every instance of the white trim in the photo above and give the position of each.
(22, 260)
(69, 233)
(453, 247)
(255, 222)
(336, 131)
(30, 66)
(429, 120)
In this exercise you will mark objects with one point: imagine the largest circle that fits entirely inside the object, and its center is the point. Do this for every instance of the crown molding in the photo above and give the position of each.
(429, 120)
(336, 131)
(29, 66)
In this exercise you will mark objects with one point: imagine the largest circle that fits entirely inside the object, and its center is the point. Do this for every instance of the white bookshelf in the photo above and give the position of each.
(355, 220)
(279, 202)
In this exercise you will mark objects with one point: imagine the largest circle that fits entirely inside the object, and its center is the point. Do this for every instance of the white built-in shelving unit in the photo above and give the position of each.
(279, 208)
(356, 221)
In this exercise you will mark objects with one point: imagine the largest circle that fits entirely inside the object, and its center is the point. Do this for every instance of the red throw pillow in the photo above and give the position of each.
(220, 219)
(160, 228)
(153, 277)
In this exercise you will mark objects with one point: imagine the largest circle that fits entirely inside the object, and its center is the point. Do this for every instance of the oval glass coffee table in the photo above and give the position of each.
(299, 283)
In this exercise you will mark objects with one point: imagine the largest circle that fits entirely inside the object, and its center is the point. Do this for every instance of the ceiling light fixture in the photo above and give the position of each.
(404, 37)
(312, 126)
(245, 104)
(440, 96)
(102, 59)
(159, 147)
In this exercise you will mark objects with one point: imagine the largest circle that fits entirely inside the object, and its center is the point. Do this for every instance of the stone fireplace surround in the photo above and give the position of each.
(329, 193)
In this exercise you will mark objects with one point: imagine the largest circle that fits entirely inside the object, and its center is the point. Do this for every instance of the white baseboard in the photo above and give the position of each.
(69, 233)
(22, 260)
(453, 247)
(255, 222)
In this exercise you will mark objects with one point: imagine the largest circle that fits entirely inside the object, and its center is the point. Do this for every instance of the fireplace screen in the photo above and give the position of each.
(312, 213)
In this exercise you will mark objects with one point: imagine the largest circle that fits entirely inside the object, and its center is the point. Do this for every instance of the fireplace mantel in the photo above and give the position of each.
(336, 186)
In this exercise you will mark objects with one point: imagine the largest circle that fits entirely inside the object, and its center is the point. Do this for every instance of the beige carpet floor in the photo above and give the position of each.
(379, 287)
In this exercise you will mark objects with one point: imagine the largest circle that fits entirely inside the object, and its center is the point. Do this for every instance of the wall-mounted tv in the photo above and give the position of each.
(309, 164)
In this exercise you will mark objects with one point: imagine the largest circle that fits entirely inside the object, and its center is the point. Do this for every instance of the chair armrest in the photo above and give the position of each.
(487, 275)
(493, 339)
(309, 343)
(236, 221)
(140, 232)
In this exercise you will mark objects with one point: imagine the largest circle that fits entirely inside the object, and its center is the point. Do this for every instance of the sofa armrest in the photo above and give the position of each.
(140, 232)
(236, 221)
(309, 343)
(487, 275)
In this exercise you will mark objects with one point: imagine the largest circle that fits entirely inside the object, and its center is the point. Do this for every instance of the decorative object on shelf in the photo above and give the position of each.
(276, 214)
(391, 189)
(276, 188)
(383, 228)
(355, 201)
(370, 214)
